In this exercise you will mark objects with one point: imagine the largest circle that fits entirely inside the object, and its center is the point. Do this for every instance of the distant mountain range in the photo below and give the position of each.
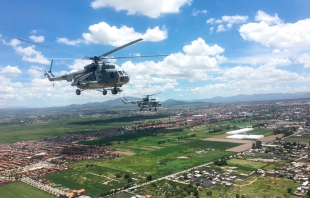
(116, 103)
(258, 97)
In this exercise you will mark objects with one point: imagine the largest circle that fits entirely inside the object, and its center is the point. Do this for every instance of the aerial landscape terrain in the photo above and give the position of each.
(162, 99)
(241, 149)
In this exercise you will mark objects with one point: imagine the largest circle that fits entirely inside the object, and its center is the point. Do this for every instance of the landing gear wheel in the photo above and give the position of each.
(104, 92)
(78, 92)
(150, 109)
(155, 109)
(114, 91)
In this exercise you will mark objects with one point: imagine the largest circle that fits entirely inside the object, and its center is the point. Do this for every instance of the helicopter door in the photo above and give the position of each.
(112, 76)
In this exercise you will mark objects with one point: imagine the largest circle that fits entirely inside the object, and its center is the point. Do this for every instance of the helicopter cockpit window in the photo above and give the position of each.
(125, 73)
(120, 73)
(112, 75)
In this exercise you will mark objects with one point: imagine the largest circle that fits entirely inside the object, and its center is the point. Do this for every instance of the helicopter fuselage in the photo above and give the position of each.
(105, 76)
(147, 102)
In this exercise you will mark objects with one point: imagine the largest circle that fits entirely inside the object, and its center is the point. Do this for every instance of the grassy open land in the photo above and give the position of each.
(24, 191)
(302, 139)
(237, 122)
(32, 131)
(122, 195)
(164, 159)
(271, 166)
(262, 187)
(155, 153)
(95, 180)
(246, 164)
(166, 188)
(260, 132)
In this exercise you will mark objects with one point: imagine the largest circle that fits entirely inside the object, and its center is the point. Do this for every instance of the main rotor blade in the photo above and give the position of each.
(121, 47)
(154, 94)
(120, 57)
(49, 47)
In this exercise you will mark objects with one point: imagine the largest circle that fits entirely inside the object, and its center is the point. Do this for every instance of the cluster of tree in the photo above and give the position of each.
(290, 145)
(285, 131)
(258, 125)
(161, 142)
(209, 192)
(183, 137)
(126, 177)
(216, 130)
(191, 190)
(238, 196)
(149, 178)
(221, 162)
(257, 144)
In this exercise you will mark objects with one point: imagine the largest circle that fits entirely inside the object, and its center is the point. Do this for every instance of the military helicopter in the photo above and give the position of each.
(147, 102)
(99, 75)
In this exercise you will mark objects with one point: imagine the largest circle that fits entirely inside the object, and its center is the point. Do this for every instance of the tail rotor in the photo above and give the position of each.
(50, 71)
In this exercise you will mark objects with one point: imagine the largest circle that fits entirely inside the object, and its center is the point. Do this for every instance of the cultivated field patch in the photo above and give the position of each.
(246, 164)
(228, 140)
(24, 190)
(302, 139)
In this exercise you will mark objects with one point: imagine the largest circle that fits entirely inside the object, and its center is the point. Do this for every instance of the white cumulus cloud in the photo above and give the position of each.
(194, 64)
(197, 12)
(226, 22)
(103, 33)
(304, 59)
(262, 16)
(10, 70)
(152, 9)
(69, 42)
(29, 53)
(37, 39)
(199, 47)
(271, 31)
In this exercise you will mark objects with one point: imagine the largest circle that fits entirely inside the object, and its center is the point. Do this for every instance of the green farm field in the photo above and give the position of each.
(303, 139)
(32, 131)
(253, 187)
(147, 157)
(260, 132)
(93, 179)
(246, 164)
(262, 187)
(22, 190)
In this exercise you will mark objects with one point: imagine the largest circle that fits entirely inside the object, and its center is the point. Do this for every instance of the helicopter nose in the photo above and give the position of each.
(127, 78)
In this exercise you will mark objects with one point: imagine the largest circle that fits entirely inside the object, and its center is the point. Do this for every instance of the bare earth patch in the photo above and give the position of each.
(182, 157)
(155, 147)
(262, 160)
(228, 140)
(270, 138)
(247, 143)
(128, 153)
(241, 148)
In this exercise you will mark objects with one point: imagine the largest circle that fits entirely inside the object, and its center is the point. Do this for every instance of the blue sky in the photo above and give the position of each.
(214, 47)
